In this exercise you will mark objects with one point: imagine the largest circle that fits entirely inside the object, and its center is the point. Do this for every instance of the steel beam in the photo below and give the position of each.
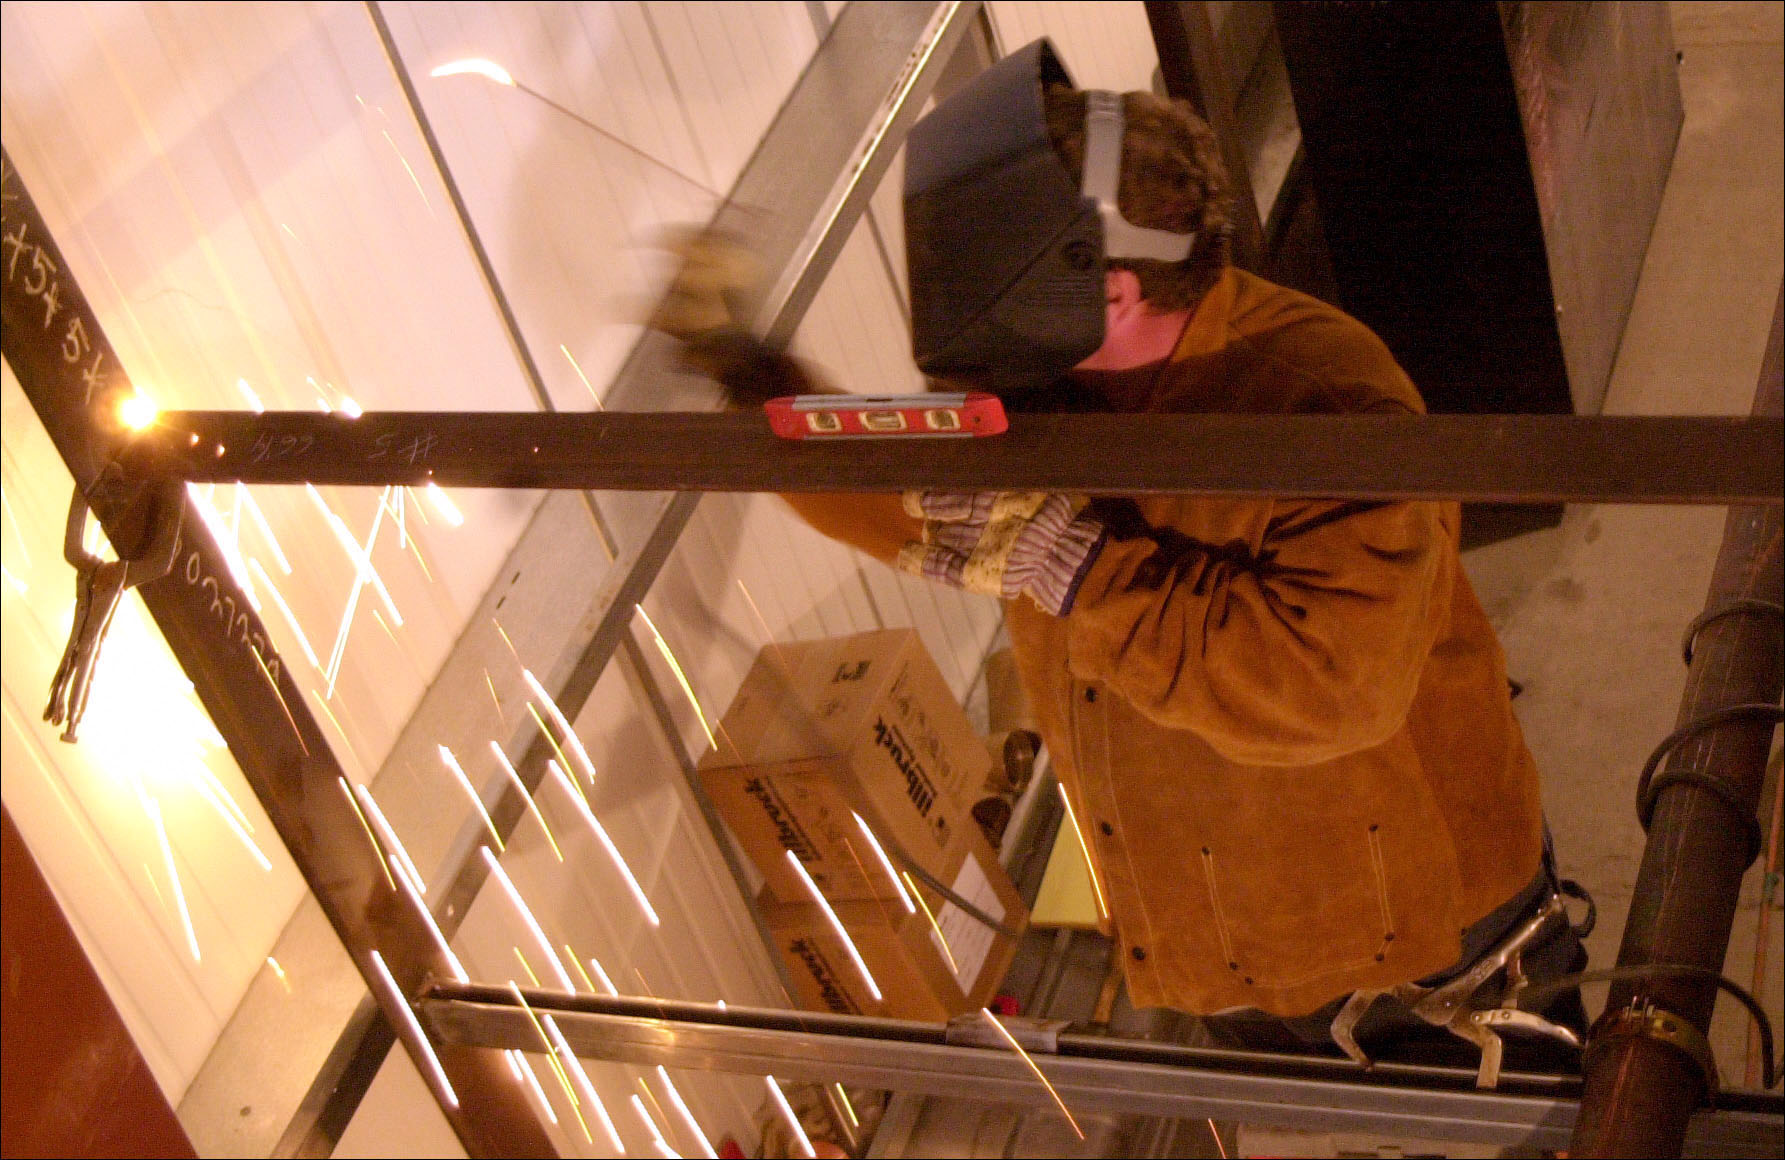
(1088, 1071)
(1506, 458)
(69, 371)
(1640, 1090)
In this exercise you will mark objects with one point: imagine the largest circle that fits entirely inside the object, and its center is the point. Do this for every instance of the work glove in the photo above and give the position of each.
(706, 308)
(1005, 543)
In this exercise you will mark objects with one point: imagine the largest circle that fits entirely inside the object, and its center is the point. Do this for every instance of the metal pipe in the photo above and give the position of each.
(1641, 1089)
(1514, 458)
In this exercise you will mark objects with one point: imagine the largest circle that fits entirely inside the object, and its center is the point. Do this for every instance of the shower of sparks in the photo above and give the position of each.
(553, 742)
(279, 695)
(394, 503)
(376, 615)
(551, 1055)
(279, 973)
(333, 670)
(579, 374)
(247, 392)
(576, 797)
(563, 724)
(402, 1005)
(377, 852)
(570, 956)
(443, 504)
(203, 502)
(662, 1145)
(388, 835)
(526, 967)
(607, 984)
(532, 806)
(245, 499)
(361, 555)
(285, 611)
(458, 773)
(1216, 1134)
(476, 66)
(531, 1079)
(1090, 866)
(1018, 1048)
(413, 890)
(767, 636)
(885, 862)
(793, 1121)
(681, 677)
(322, 703)
(416, 181)
(497, 701)
(512, 651)
(935, 927)
(830, 916)
(590, 1097)
(226, 808)
(848, 1108)
(526, 914)
(173, 873)
(686, 1116)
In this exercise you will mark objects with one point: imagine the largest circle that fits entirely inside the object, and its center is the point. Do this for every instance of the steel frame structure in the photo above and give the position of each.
(59, 353)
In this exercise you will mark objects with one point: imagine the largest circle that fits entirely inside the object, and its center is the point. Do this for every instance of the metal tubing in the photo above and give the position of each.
(1511, 458)
(69, 371)
(1640, 1092)
(1090, 1072)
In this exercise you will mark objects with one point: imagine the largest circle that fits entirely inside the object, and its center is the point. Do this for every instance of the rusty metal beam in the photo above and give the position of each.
(1506, 458)
(1640, 1088)
(69, 371)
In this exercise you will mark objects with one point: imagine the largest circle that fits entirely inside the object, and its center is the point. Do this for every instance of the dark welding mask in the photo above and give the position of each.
(1005, 253)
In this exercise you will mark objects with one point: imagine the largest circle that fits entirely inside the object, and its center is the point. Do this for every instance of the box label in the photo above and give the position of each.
(787, 828)
(920, 790)
(964, 940)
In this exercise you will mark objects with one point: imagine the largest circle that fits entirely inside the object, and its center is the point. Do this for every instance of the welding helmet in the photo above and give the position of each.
(1005, 251)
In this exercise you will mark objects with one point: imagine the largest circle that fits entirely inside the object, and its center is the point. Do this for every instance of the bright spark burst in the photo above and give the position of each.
(1018, 1048)
(681, 677)
(474, 66)
(402, 1005)
(576, 797)
(247, 392)
(532, 806)
(1090, 866)
(526, 913)
(563, 724)
(686, 1116)
(443, 504)
(793, 1121)
(885, 862)
(138, 412)
(836, 925)
(458, 773)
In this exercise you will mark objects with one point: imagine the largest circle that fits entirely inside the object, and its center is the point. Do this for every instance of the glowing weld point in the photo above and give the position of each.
(520, 905)
(1018, 1048)
(576, 797)
(474, 66)
(452, 763)
(443, 504)
(687, 1117)
(793, 1121)
(409, 1020)
(837, 926)
(1090, 866)
(138, 412)
(885, 862)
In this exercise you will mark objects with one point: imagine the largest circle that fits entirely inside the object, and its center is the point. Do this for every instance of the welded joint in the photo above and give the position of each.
(1642, 1019)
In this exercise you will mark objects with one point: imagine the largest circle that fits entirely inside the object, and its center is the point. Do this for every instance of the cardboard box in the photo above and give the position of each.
(927, 966)
(821, 731)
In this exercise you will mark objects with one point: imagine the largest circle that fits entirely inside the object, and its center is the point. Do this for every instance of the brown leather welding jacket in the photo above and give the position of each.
(1284, 724)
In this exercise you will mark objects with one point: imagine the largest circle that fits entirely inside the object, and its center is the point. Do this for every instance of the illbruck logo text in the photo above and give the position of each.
(833, 995)
(786, 829)
(918, 786)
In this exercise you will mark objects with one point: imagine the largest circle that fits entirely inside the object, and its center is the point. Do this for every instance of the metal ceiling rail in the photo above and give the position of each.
(1090, 1072)
(1503, 458)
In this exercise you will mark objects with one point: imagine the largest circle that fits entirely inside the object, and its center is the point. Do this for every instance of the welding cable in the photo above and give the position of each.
(1649, 786)
(1732, 608)
(1560, 983)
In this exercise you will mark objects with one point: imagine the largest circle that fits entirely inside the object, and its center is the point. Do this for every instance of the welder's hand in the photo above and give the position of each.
(705, 308)
(1005, 543)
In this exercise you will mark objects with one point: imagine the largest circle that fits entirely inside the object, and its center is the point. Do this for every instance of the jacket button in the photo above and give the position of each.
(1090, 694)
(1106, 828)
(1139, 953)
